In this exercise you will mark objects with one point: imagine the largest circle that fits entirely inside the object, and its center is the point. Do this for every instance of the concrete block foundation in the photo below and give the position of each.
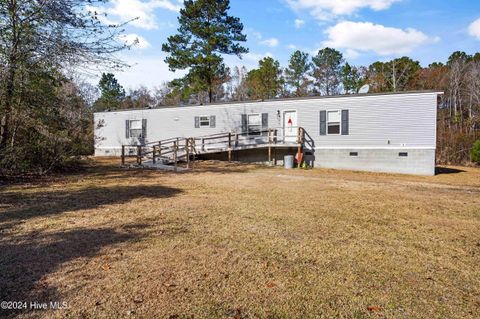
(402, 161)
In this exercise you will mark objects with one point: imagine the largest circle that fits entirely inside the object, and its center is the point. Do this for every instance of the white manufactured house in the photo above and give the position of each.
(393, 132)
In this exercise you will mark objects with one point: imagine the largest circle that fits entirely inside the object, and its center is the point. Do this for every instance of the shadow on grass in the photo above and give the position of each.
(24, 205)
(224, 167)
(111, 170)
(91, 168)
(439, 170)
(25, 260)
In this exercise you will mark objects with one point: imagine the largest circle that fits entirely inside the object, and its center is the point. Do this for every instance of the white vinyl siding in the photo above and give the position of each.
(377, 121)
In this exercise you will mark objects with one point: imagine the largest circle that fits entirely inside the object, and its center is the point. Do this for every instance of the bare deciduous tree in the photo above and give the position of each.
(47, 34)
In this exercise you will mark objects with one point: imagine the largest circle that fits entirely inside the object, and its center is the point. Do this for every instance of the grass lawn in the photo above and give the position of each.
(242, 241)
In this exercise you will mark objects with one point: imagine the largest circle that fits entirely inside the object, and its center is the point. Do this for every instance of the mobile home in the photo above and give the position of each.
(392, 132)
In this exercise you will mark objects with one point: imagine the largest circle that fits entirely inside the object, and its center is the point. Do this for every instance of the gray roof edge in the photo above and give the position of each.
(281, 99)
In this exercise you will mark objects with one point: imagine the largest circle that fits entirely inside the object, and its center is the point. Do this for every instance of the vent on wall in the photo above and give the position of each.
(403, 154)
(353, 153)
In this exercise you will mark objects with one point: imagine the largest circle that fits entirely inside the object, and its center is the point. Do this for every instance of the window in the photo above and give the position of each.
(403, 154)
(204, 121)
(333, 122)
(135, 128)
(353, 153)
(254, 124)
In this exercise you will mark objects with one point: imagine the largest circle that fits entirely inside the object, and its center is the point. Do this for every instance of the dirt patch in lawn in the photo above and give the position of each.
(242, 241)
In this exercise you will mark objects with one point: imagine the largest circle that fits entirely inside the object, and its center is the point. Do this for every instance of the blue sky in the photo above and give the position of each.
(363, 30)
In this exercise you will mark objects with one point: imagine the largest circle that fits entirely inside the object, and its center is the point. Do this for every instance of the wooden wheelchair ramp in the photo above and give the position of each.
(167, 154)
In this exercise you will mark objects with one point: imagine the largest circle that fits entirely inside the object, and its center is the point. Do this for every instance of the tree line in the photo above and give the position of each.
(328, 73)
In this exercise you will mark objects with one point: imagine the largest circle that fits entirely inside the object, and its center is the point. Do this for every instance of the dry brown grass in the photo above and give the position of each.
(243, 241)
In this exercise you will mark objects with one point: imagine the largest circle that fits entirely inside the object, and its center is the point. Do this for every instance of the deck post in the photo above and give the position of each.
(269, 141)
(203, 145)
(229, 147)
(275, 141)
(139, 154)
(175, 155)
(187, 148)
(123, 155)
(274, 156)
(160, 150)
(154, 154)
(191, 144)
(270, 154)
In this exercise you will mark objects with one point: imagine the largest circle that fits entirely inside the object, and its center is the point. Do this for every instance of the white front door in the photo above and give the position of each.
(290, 126)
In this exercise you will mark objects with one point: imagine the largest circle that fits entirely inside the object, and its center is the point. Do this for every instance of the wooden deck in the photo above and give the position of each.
(172, 151)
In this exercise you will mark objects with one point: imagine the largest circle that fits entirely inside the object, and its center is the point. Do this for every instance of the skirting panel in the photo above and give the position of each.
(403, 161)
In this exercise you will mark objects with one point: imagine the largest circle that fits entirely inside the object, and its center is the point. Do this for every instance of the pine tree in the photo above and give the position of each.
(327, 66)
(352, 78)
(112, 93)
(206, 32)
(266, 81)
(296, 75)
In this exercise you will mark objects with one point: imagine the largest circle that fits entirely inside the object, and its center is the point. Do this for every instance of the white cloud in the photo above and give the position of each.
(474, 29)
(351, 54)
(134, 40)
(249, 60)
(257, 35)
(146, 70)
(328, 9)
(255, 57)
(141, 12)
(292, 46)
(358, 37)
(272, 42)
(299, 23)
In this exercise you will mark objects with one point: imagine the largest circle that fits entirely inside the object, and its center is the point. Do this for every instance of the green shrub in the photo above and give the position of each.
(475, 152)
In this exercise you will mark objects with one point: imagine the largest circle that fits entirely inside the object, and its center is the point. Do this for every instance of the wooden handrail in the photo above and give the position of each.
(181, 147)
(169, 140)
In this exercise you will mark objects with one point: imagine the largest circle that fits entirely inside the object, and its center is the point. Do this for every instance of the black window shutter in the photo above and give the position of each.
(197, 121)
(127, 128)
(144, 128)
(212, 121)
(244, 123)
(345, 122)
(323, 122)
(264, 121)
